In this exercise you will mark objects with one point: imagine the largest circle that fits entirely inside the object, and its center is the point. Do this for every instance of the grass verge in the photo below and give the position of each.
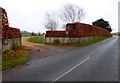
(95, 40)
(14, 57)
(37, 39)
(0, 62)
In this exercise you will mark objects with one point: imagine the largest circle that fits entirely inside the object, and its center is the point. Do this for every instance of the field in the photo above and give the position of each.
(37, 39)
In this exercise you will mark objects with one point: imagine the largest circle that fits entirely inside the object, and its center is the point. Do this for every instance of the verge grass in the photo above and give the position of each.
(14, 57)
(0, 62)
(94, 40)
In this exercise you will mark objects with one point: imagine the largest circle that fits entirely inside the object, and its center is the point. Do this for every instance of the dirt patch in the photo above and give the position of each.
(38, 51)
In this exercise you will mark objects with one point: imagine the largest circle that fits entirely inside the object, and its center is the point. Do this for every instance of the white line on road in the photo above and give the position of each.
(71, 69)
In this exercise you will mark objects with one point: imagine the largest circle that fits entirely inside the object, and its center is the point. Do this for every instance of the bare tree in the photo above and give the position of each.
(51, 21)
(72, 13)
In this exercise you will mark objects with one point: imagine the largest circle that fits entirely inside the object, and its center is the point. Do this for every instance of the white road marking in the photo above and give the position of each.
(71, 69)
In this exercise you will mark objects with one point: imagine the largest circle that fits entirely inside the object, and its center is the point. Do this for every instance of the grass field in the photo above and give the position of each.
(37, 39)
(14, 57)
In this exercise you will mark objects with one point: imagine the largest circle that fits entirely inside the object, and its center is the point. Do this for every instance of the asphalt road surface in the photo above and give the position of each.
(96, 62)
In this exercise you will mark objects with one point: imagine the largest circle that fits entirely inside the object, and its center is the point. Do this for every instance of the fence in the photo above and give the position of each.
(67, 40)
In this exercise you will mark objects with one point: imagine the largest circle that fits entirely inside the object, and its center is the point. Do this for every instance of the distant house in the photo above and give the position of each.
(75, 33)
(9, 36)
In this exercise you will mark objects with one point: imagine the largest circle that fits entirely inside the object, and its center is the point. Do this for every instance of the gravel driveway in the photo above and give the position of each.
(39, 51)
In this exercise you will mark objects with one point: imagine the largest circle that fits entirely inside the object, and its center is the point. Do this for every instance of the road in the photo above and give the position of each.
(96, 62)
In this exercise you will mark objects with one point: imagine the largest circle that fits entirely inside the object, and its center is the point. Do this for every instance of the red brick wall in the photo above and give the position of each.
(55, 33)
(85, 30)
(4, 17)
(7, 32)
(79, 30)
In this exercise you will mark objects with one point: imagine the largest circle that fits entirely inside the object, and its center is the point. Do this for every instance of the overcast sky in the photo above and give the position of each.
(30, 14)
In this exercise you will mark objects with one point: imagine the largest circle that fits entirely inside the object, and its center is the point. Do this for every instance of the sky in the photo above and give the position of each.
(29, 15)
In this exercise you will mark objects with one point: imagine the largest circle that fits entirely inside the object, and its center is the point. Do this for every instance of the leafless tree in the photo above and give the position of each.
(72, 13)
(51, 21)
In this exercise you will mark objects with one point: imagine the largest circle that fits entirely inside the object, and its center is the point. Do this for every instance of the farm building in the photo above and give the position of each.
(75, 33)
(9, 36)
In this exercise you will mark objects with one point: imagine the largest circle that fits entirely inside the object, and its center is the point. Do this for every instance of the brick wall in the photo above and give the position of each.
(55, 33)
(76, 33)
(9, 36)
(85, 30)
(9, 33)
(79, 30)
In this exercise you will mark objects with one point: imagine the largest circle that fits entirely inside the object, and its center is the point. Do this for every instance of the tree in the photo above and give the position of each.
(103, 24)
(39, 33)
(51, 21)
(33, 34)
(72, 13)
